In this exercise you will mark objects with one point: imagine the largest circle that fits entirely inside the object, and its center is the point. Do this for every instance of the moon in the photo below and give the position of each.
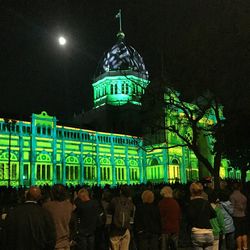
(62, 41)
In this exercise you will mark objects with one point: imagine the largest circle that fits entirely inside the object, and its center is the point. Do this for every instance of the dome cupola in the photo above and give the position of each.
(121, 76)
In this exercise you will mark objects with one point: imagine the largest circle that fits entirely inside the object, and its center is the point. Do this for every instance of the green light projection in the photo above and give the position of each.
(119, 89)
(46, 153)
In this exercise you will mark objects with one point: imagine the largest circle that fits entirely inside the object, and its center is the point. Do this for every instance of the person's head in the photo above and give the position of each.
(213, 197)
(33, 194)
(107, 196)
(223, 185)
(59, 192)
(125, 191)
(196, 189)
(237, 186)
(167, 192)
(147, 196)
(223, 195)
(83, 194)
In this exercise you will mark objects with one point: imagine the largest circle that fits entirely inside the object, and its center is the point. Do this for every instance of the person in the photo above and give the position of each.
(61, 210)
(29, 226)
(199, 214)
(105, 201)
(170, 213)
(87, 213)
(239, 203)
(121, 208)
(148, 222)
(217, 223)
(227, 210)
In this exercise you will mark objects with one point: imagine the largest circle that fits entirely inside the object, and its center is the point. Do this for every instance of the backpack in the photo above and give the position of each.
(122, 213)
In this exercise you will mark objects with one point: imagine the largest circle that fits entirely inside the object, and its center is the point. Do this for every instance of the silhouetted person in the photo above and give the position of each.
(239, 203)
(87, 211)
(29, 226)
(170, 212)
(199, 214)
(148, 222)
(60, 209)
(121, 208)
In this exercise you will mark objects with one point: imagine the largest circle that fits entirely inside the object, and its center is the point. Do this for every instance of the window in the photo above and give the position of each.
(17, 128)
(58, 172)
(67, 172)
(2, 171)
(26, 171)
(134, 174)
(72, 172)
(13, 171)
(38, 130)
(126, 91)
(89, 172)
(105, 173)
(120, 174)
(38, 172)
(44, 131)
(48, 172)
(154, 162)
(43, 172)
(24, 129)
(49, 131)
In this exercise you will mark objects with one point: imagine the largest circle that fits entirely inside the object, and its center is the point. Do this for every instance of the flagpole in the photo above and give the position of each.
(120, 19)
(120, 34)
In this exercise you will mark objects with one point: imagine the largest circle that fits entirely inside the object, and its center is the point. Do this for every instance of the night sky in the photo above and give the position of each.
(195, 45)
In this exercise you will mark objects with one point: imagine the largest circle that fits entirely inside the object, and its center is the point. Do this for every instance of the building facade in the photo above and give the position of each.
(41, 151)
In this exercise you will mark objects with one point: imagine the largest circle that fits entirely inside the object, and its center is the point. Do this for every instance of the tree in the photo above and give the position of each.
(237, 143)
(197, 125)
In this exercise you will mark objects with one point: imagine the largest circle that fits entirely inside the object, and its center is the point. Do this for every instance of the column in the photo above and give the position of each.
(142, 162)
(63, 163)
(112, 152)
(127, 165)
(183, 165)
(33, 152)
(54, 152)
(95, 139)
(82, 177)
(165, 164)
(21, 155)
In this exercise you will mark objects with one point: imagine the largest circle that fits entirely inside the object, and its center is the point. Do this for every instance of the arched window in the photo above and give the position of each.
(38, 130)
(126, 90)
(154, 162)
(123, 88)
(175, 162)
(174, 170)
(44, 131)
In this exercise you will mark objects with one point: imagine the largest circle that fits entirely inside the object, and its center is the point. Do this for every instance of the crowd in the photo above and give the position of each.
(144, 217)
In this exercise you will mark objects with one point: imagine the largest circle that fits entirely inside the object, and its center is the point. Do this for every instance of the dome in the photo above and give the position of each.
(122, 57)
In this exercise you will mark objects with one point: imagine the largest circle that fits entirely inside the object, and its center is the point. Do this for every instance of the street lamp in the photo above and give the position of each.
(10, 125)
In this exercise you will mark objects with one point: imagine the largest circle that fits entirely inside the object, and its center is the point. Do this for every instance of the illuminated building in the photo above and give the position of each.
(43, 152)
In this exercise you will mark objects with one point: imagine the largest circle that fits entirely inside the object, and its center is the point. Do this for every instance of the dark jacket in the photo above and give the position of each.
(87, 214)
(200, 212)
(30, 227)
(147, 219)
(170, 212)
(114, 231)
